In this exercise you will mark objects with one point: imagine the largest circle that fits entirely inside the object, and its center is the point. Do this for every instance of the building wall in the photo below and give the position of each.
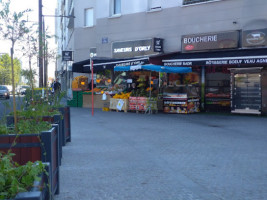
(169, 23)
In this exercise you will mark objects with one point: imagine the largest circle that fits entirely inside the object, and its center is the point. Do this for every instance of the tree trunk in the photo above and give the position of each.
(31, 77)
(13, 87)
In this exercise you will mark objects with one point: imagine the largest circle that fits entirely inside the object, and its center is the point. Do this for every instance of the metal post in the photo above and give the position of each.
(45, 47)
(40, 44)
(92, 81)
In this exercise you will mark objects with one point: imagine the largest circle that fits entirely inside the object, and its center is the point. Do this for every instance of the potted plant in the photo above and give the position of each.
(39, 110)
(29, 181)
(33, 142)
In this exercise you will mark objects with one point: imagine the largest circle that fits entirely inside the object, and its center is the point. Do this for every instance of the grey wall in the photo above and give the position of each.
(170, 24)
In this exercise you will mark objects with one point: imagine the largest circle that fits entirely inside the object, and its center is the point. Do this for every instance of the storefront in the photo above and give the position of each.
(124, 53)
(232, 79)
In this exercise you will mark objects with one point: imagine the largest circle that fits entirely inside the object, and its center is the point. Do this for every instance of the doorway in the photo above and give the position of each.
(247, 93)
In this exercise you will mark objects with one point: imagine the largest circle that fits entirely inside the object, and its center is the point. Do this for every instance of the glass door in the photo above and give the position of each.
(247, 91)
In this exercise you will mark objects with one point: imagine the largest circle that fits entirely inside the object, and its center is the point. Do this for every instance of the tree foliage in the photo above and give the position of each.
(5, 70)
(13, 28)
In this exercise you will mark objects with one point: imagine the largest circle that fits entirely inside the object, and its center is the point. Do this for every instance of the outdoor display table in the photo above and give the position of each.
(98, 102)
(180, 104)
(142, 104)
(180, 99)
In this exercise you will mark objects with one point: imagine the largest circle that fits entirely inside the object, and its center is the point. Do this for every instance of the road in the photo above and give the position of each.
(6, 105)
(129, 156)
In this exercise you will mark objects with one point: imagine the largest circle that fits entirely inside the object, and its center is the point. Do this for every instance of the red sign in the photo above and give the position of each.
(189, 47)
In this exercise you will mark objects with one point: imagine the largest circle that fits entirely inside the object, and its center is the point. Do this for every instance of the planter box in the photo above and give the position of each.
(66, 125)
(40, 189)
(32, 147)
(56, 119)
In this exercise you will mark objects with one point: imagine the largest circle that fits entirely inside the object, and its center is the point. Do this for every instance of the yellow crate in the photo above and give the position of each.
(105, 109)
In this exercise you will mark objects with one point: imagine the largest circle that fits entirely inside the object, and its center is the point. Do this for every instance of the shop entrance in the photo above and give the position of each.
(217, 89)
(247, 92)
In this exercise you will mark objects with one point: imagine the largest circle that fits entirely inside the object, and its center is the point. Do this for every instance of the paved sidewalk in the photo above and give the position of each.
(129, 156)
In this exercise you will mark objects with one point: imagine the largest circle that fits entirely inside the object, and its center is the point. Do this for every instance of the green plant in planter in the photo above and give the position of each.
(31, 126)
(15, 178)
(56, 101)
(26, 127)
(38, 110)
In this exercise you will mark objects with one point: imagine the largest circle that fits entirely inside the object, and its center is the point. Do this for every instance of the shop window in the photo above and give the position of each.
(189, 2)
(89, 17)
(154, 5)
(217, 88)
(115, 7)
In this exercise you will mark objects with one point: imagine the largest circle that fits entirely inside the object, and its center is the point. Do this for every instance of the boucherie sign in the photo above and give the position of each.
(210, 41)
(131, 49)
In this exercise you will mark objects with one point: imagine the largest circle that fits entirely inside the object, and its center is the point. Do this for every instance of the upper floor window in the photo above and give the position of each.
(188, 2)
(115, 7)
(154, 4)
(89, 17)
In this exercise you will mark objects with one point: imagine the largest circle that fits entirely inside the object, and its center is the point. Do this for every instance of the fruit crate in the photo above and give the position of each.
(114, 102)
(72, 103)
(75, 95)
(80, 99)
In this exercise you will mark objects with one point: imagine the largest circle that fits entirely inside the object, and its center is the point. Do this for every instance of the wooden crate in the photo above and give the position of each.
(98, 102)
(114, 102)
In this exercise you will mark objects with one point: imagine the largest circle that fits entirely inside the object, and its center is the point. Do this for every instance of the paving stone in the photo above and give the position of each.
(129, 156)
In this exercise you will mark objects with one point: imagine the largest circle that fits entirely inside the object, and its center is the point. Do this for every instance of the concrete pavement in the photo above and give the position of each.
(129, 156)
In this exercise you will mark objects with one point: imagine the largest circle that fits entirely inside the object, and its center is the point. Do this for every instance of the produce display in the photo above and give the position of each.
(122, 95)
(80, 82)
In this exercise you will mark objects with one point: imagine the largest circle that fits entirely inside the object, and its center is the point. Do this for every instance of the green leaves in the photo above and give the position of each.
(5, 70)
(15, 178)
(12, 23)
(32, 126)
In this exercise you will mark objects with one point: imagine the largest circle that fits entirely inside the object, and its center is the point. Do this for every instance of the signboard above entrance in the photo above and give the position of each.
(210, 41)
(252, 38)
(217, 61)
(131, 49)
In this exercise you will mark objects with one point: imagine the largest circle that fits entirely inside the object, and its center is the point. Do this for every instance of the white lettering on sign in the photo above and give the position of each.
(231, 62)
(249, 61)
(216, 62)
(122, 50)
(201, 39)
(261, 61)
(142, 48)
(187, 63)
(172, 63)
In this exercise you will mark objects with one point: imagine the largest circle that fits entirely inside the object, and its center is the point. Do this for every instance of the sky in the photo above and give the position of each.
(48, 9)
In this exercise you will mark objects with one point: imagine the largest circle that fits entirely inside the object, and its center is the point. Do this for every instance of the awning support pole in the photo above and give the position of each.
(92, 82)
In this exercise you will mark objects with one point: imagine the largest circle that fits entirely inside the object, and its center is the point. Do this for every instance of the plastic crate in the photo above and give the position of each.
(75, 94)
(72, 103)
